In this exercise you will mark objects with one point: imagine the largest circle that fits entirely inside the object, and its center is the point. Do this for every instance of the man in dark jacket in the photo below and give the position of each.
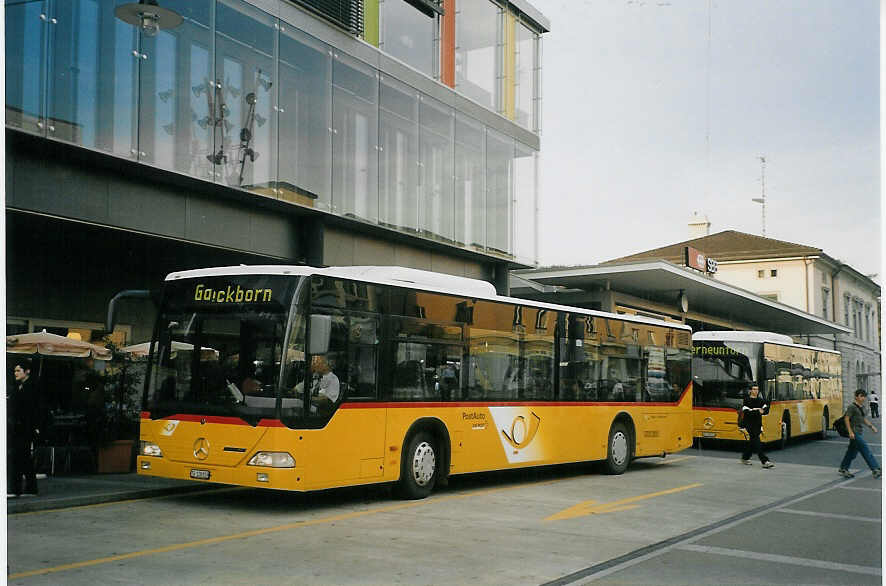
(21, 423)
(752, 419)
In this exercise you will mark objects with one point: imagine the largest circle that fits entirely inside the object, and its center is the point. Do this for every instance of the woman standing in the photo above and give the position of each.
(752, 419)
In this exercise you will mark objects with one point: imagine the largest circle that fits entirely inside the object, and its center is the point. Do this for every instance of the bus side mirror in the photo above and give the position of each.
(321, 331)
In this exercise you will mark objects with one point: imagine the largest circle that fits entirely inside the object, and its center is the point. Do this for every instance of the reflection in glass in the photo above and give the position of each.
(245, 55)
(25, 66)
(477, 61)
(525, 201)
(408, 34)
(499, 171)
(437, 127)
(470, 182)
(92, 76)
(355, 138)
(174, 78)
(398, 156)
(305, 174)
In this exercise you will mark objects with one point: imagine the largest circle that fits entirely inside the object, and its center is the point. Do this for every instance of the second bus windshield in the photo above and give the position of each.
(722, 372)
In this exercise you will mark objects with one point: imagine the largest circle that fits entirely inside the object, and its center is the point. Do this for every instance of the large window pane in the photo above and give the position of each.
(477, 60)
(245, 55)
(177, 95)
(305, 174)
(437, 128)
(398, 155)
(525, 201)
(93, 77)
(26, 66)
(499, 172)
(470, 182)
(408, 34)
(354, 138)
(525, 77)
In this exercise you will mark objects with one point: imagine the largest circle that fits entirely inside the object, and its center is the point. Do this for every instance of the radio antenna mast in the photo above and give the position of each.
(762, 199)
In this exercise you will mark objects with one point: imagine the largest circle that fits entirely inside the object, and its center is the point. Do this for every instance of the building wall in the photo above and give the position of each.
(330, 121)
(788, 287)
(344, 248)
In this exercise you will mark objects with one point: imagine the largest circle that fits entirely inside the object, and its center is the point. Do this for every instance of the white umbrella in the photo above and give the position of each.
(47, 344)
(143, 349)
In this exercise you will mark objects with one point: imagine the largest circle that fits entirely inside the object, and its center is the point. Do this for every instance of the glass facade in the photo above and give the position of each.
(398, 156)
(526, 66)
(478, 67)
(243, 99)
(409, 34)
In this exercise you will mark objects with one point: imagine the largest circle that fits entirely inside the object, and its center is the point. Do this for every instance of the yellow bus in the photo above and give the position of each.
(803, 384)
(313, 378)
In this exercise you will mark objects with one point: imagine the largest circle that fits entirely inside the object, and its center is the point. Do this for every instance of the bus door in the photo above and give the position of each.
(349, 444)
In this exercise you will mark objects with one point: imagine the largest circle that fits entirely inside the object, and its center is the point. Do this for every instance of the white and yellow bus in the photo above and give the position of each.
(802, 384)
(431, 376)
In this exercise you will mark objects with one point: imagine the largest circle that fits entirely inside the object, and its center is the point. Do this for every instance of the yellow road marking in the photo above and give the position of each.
(672, 460)
(265, 531)
(592, 508)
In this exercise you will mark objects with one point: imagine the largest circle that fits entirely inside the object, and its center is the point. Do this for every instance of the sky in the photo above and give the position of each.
(647, 117)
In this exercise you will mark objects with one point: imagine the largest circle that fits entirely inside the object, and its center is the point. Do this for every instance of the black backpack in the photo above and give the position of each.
(840, 426)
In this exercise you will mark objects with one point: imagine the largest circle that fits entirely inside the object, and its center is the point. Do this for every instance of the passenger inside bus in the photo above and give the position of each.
(616, 389)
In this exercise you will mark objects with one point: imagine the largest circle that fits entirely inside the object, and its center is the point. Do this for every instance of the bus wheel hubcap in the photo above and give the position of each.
(619, 448)
(423, 464)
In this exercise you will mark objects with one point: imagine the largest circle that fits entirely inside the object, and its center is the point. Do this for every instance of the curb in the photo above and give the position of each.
(19, 505)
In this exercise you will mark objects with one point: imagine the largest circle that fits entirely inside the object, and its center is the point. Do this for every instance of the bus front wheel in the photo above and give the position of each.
(620, 447)
(418, 471)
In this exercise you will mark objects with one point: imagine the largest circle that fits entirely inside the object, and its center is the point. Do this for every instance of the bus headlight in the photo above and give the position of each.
(149, 449)
(272, 460)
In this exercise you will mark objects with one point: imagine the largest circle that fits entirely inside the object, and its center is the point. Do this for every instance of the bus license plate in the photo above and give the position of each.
(200, 474)
(703, 434)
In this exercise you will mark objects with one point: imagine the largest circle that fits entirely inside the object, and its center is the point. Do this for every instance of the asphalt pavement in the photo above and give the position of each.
(825, 533)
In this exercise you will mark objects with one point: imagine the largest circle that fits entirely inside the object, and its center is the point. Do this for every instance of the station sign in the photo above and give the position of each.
(695, 259)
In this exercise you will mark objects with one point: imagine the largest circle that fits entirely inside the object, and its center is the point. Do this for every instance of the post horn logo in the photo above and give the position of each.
(201, 448)
(522, 432)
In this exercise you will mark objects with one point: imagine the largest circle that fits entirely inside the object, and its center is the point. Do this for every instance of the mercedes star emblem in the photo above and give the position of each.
(201, 448)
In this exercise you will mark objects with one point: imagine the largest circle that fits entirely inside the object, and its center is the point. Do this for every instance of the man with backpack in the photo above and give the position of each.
(855, 421)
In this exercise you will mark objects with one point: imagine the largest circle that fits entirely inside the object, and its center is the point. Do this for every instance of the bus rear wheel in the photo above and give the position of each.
(418, 470)
(620, 449)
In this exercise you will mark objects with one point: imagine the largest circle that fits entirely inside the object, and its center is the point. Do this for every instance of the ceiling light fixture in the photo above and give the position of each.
(148, 16)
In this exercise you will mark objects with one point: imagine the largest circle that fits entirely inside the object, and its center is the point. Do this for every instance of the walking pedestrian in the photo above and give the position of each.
(753, 409)
(874, 400)
(21, 422)
(855, 422)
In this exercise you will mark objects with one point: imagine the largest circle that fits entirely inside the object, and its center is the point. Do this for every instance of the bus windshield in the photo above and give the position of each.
(722, 372)
(219, 348)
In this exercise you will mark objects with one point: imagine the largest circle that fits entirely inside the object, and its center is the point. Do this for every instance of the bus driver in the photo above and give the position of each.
(324, 385)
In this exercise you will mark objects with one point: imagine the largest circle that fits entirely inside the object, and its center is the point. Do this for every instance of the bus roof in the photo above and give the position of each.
(407, 277)
(747, 336)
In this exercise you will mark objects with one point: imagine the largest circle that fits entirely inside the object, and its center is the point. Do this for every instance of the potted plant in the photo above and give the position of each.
(115, 425)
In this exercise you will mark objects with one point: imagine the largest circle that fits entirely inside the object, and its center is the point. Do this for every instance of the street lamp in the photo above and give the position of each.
(148, 16)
